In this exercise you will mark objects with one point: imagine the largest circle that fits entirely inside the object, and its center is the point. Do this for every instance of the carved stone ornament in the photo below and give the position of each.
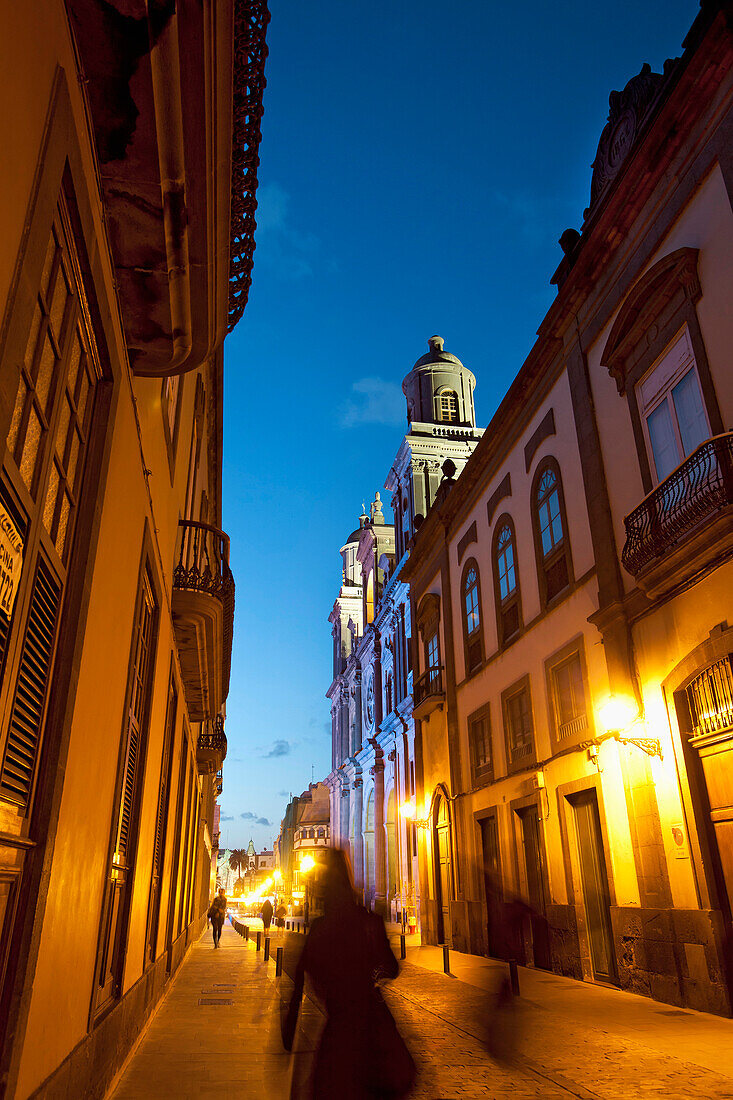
(628, 109)
(370, 701)
(358, 782)
(392, 755)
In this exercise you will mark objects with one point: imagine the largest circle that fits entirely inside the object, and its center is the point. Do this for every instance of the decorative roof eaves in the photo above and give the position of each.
(250, 52)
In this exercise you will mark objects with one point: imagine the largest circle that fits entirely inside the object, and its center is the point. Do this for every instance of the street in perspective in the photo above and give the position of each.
(366, 550)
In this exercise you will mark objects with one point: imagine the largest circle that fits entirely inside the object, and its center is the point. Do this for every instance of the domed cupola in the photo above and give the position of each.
(439, 389)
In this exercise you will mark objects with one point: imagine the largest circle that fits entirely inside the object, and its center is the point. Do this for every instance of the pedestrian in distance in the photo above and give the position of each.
(217, 913)
(266, 914)
(280, 916)
(362, 1055)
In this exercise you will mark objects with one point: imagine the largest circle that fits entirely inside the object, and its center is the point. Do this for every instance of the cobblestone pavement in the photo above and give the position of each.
(465, 1047)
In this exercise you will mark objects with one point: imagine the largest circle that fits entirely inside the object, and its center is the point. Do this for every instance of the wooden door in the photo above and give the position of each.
(535, 868)
(442, 870)
(492, 885)
(594, 882)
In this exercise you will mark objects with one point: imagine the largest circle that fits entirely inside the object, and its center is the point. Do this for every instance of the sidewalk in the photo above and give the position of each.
(217, 1032)
(698, 1037)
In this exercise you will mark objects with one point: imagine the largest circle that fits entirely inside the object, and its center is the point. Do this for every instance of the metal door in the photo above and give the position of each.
(492, 885)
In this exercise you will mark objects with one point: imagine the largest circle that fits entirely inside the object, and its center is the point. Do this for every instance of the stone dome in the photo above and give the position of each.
(439, 389)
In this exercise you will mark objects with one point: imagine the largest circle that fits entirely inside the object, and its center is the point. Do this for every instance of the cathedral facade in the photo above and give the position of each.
(372, 779)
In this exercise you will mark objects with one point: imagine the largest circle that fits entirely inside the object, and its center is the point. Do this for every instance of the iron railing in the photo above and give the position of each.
(218, 783)
(694, 492)
(212, 737)
(429, 683)
(203, 566)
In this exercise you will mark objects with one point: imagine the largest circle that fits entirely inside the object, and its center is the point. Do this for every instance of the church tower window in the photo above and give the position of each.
(448, 407)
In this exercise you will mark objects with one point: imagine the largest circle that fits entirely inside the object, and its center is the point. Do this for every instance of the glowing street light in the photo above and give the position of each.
(307, 863)
(408, 810)
(616, 713)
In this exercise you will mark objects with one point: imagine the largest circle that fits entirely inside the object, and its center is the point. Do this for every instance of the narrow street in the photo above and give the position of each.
(218, 1030)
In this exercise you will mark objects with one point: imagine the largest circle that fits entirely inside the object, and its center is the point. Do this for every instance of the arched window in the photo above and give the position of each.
(448, 407)
(471, 605)
(550, 530)
(506, 581)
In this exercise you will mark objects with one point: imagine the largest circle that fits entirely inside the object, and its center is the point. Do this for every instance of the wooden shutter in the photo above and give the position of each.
(24, 732)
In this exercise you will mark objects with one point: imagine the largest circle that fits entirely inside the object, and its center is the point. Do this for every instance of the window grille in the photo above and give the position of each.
(548, 505)
(505, 563)
(710, 697)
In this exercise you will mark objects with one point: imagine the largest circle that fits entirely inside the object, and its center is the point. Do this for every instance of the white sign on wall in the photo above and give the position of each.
(11, 561)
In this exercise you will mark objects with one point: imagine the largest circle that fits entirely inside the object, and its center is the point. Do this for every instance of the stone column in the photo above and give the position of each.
(380, 854)
(358, 853)
(344, 818)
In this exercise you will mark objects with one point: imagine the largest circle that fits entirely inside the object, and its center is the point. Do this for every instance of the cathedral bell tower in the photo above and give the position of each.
(441, 421)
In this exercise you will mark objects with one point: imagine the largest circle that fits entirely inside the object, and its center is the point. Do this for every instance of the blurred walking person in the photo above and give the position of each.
(217, 914)
(266, 914)
(361, 1056)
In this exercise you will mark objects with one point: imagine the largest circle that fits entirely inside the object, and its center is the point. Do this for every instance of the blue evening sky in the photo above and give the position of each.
(419, 161)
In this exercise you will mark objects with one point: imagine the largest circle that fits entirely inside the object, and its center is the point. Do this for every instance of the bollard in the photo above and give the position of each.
(267, 948)
(246, 932)
(403, 947)
(287, 925)
(278, 962)
(446, 960)
(514, 977)
(259, 940)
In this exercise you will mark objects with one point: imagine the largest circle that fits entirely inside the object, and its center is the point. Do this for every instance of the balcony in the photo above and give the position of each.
(203, 617)
(211, 748)
(429, 692)
(683, 527)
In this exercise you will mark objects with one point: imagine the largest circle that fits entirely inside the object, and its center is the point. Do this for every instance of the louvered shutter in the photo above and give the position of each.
(24, 732)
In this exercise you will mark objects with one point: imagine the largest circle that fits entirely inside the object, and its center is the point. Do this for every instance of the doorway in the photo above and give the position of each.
(492, 886)
(441, 855)
(536, 891)
(594, 884)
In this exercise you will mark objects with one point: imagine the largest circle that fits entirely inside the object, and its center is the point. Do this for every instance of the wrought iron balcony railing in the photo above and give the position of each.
(219, 783)
(430, 683)
(203, 566)
(212, 737)
(696, 491)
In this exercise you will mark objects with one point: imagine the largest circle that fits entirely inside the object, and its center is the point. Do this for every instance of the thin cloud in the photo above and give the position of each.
(226, 817)
(249, 816)
(283, 794)
(282, 247)
(373, 401)
(279, 748)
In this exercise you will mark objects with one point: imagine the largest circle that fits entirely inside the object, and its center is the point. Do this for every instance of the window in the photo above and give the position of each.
(479, 743)
(518, 725)
(550, 530)
(671, 408)
(120, 874)
(388, 694)
(48, 441)
(432, 655)
(472, 634)
(448, 407)
(321, 832)
(506, 587)
(566, 683)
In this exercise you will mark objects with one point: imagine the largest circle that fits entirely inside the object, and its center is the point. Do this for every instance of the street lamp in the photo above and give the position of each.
(616, 715)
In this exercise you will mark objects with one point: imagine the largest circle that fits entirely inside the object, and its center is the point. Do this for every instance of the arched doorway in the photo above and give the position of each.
(442, 867)
(369, 879)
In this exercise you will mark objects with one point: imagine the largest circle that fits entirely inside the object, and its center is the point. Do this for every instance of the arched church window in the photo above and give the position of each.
(448, 407)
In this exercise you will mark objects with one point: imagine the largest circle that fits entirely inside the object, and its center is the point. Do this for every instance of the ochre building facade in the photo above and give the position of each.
(125, 254)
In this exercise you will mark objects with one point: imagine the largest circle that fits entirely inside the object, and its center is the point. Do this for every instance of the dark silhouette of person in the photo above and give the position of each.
(361, 1053)
(266, 914)
(217, 914)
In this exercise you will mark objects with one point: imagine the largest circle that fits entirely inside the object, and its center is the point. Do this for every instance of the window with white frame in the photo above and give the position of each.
(671, 407)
